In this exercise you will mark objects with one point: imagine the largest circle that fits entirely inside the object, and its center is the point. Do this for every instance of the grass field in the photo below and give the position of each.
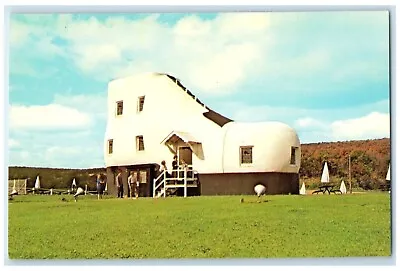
(45, 227)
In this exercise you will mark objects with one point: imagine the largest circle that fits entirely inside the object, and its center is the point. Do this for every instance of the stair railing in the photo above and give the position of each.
(160, 178)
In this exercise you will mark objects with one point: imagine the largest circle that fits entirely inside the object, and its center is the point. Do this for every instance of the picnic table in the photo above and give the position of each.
(327, 188)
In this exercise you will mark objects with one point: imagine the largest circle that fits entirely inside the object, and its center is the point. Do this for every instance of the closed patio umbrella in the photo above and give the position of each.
(303, 189)
(388, 174)
(73, 185)
(325, 174)
(343, 188)
(37, 183)
(388, 178)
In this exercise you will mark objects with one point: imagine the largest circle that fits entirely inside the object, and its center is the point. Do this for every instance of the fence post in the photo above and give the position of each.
(165, 182)
(185, 182)
(154, 187)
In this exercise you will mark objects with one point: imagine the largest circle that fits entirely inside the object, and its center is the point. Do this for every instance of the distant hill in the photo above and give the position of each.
(369, 161)
(369, 164)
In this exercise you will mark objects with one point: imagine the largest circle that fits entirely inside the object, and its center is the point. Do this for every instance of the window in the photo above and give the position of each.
(293, 155)
(139, 143)
(140, 103)
(110, 146)
(246, 155)
(120, 106)
(143, 176)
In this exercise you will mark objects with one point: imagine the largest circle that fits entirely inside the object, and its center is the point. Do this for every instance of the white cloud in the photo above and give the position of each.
(247, 24)
(24, 154)
(191, 27)
(214, 55)
(19, 33)
(56, 151)
(84, 154)
(296, 115)
(361, 68)
(46, 47)
(309, 122)
(66, 133)
(93, 104)
(225, 70)
(58, 148)
(22, 67)
(373, 125)
(52, 116)
(311, 62)
(318, 125)
(34, 37)
(61, 148)
(100, 55)
(12, 143)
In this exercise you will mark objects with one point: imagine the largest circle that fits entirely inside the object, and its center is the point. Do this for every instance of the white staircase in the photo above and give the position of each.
(165, 184)
(160, 193)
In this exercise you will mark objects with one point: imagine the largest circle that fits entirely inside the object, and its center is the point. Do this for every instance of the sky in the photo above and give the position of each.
(326, 74)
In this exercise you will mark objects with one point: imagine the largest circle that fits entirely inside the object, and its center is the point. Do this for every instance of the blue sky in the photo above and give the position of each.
(326, 74)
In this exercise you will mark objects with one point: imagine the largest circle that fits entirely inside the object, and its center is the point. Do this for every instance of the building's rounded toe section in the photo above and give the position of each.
(261, 147)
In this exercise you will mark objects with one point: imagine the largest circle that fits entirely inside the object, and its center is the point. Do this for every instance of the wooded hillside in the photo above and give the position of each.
(369, 165)
(57, 178)
(369, 160)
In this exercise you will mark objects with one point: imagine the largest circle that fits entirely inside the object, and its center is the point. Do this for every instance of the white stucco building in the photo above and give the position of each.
(152, 117)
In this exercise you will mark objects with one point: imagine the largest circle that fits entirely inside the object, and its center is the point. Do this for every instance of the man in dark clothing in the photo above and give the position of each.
(100, 184)
(175, 167)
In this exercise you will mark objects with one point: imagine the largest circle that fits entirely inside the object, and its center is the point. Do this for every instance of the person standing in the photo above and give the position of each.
(100, 183)
(174, 166)
(131, 183)
(120, 185)
(137, 188)
(163, 166)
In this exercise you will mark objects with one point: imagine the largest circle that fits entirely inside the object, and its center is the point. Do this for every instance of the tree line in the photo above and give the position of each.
(56, 178)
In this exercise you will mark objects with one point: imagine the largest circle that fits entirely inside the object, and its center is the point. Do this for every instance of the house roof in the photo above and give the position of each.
(184, 136)
(211, 114)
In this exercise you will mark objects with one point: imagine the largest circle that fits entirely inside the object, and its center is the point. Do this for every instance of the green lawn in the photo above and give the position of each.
(45, 227)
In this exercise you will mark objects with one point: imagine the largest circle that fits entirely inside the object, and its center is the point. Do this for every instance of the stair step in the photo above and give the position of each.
(168, 188)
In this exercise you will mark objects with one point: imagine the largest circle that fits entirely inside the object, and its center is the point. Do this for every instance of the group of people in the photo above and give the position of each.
(163, 167)
(175, 167)
(133, 185)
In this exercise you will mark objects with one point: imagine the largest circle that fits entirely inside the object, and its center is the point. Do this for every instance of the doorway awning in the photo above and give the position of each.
(175, 136)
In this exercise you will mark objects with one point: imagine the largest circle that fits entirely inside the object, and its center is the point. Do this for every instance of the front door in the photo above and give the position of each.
(185, 153)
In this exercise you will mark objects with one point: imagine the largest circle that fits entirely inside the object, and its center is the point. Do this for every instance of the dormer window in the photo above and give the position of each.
(140, 104)
(139, 143)
(246, 155)
(120, 107)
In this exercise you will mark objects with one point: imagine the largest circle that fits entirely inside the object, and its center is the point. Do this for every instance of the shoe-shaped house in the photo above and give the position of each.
(152, 117)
